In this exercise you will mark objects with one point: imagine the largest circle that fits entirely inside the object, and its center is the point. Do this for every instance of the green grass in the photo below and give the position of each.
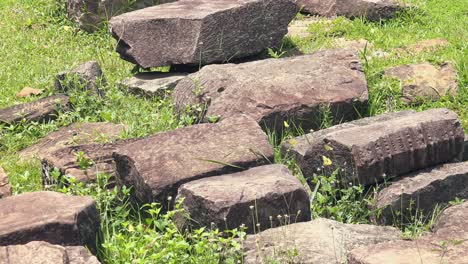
(37, 42)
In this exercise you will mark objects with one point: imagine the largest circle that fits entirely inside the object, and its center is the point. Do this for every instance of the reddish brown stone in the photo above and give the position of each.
(48, 216)
(373, 10)
(42, 110)
(73, 135)
(274, 90)
(28, 91)
(87, 76)
(201, 31)
(422, 191)
(249, 197)
(157, 165)
(40, 252)
(5, 188)
(393, 147)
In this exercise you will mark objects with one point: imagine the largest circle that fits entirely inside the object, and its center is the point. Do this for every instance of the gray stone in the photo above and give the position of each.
(5, 188)
(318, 241)
(423, 191)
(91, 14)
(48, 216)
(388, 147)
(87, 76)
(157, 165)
(201, 31)
(422, 82)
(153, 83)
(42, 110)
(40, 252)
(298, 146)
(73, 135)
(275, 90)
(465, 152)
(447, 244)
(249, 197)
(373, 10)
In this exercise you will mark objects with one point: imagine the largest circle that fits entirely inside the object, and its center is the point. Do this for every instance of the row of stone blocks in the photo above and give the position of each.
(220, 170)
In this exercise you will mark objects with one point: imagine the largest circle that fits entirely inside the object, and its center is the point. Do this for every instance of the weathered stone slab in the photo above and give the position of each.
(275, 90)
(390, 147)
(87, 76)
(48, 216)
(424, 81)
(40, 252)
(423, 191)
(465, 152)
(153, 83)
(298, 146)
(66, 161)
(42, 110)
(373, 10)
(157, 165)
(74, 135)
(90, 14)
(427, 45)
(318, 241)
(249, 197)
(201, 31)
(5, 188)
(448, 244)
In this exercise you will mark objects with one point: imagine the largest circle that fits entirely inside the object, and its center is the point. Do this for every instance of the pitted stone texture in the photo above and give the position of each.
(66, 161)
(297, 147)
(465, 151)
(201, 31)
(157, 165)
(275, 90)
(42, 110)
(153, 83)
(421, 82)
(73, 135)
(48, 216)
(373, 10)
(5, 188)
(447, 244)
(40, 252)
(226, 200)
(90, 14)
(318, 241)
(423, 191)
(87, 76)
(393, 147)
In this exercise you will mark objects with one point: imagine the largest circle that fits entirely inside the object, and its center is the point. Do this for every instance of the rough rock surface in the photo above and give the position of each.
(226, 200)
(297, 147)
(447, 244)
(388, 147)
(73, 135)
(371, 9)
(66, 161)
(89, 14)
(48, 216)
(42, 110)
(425, 81)
(87, 76)
(201, 31)
(5, 188)
(157, 165)
(40, 252)
(423, 191)
(153, 83)
(465, 152)
(318, 241)
(274, 90)
(427, 45)
(28, 91)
